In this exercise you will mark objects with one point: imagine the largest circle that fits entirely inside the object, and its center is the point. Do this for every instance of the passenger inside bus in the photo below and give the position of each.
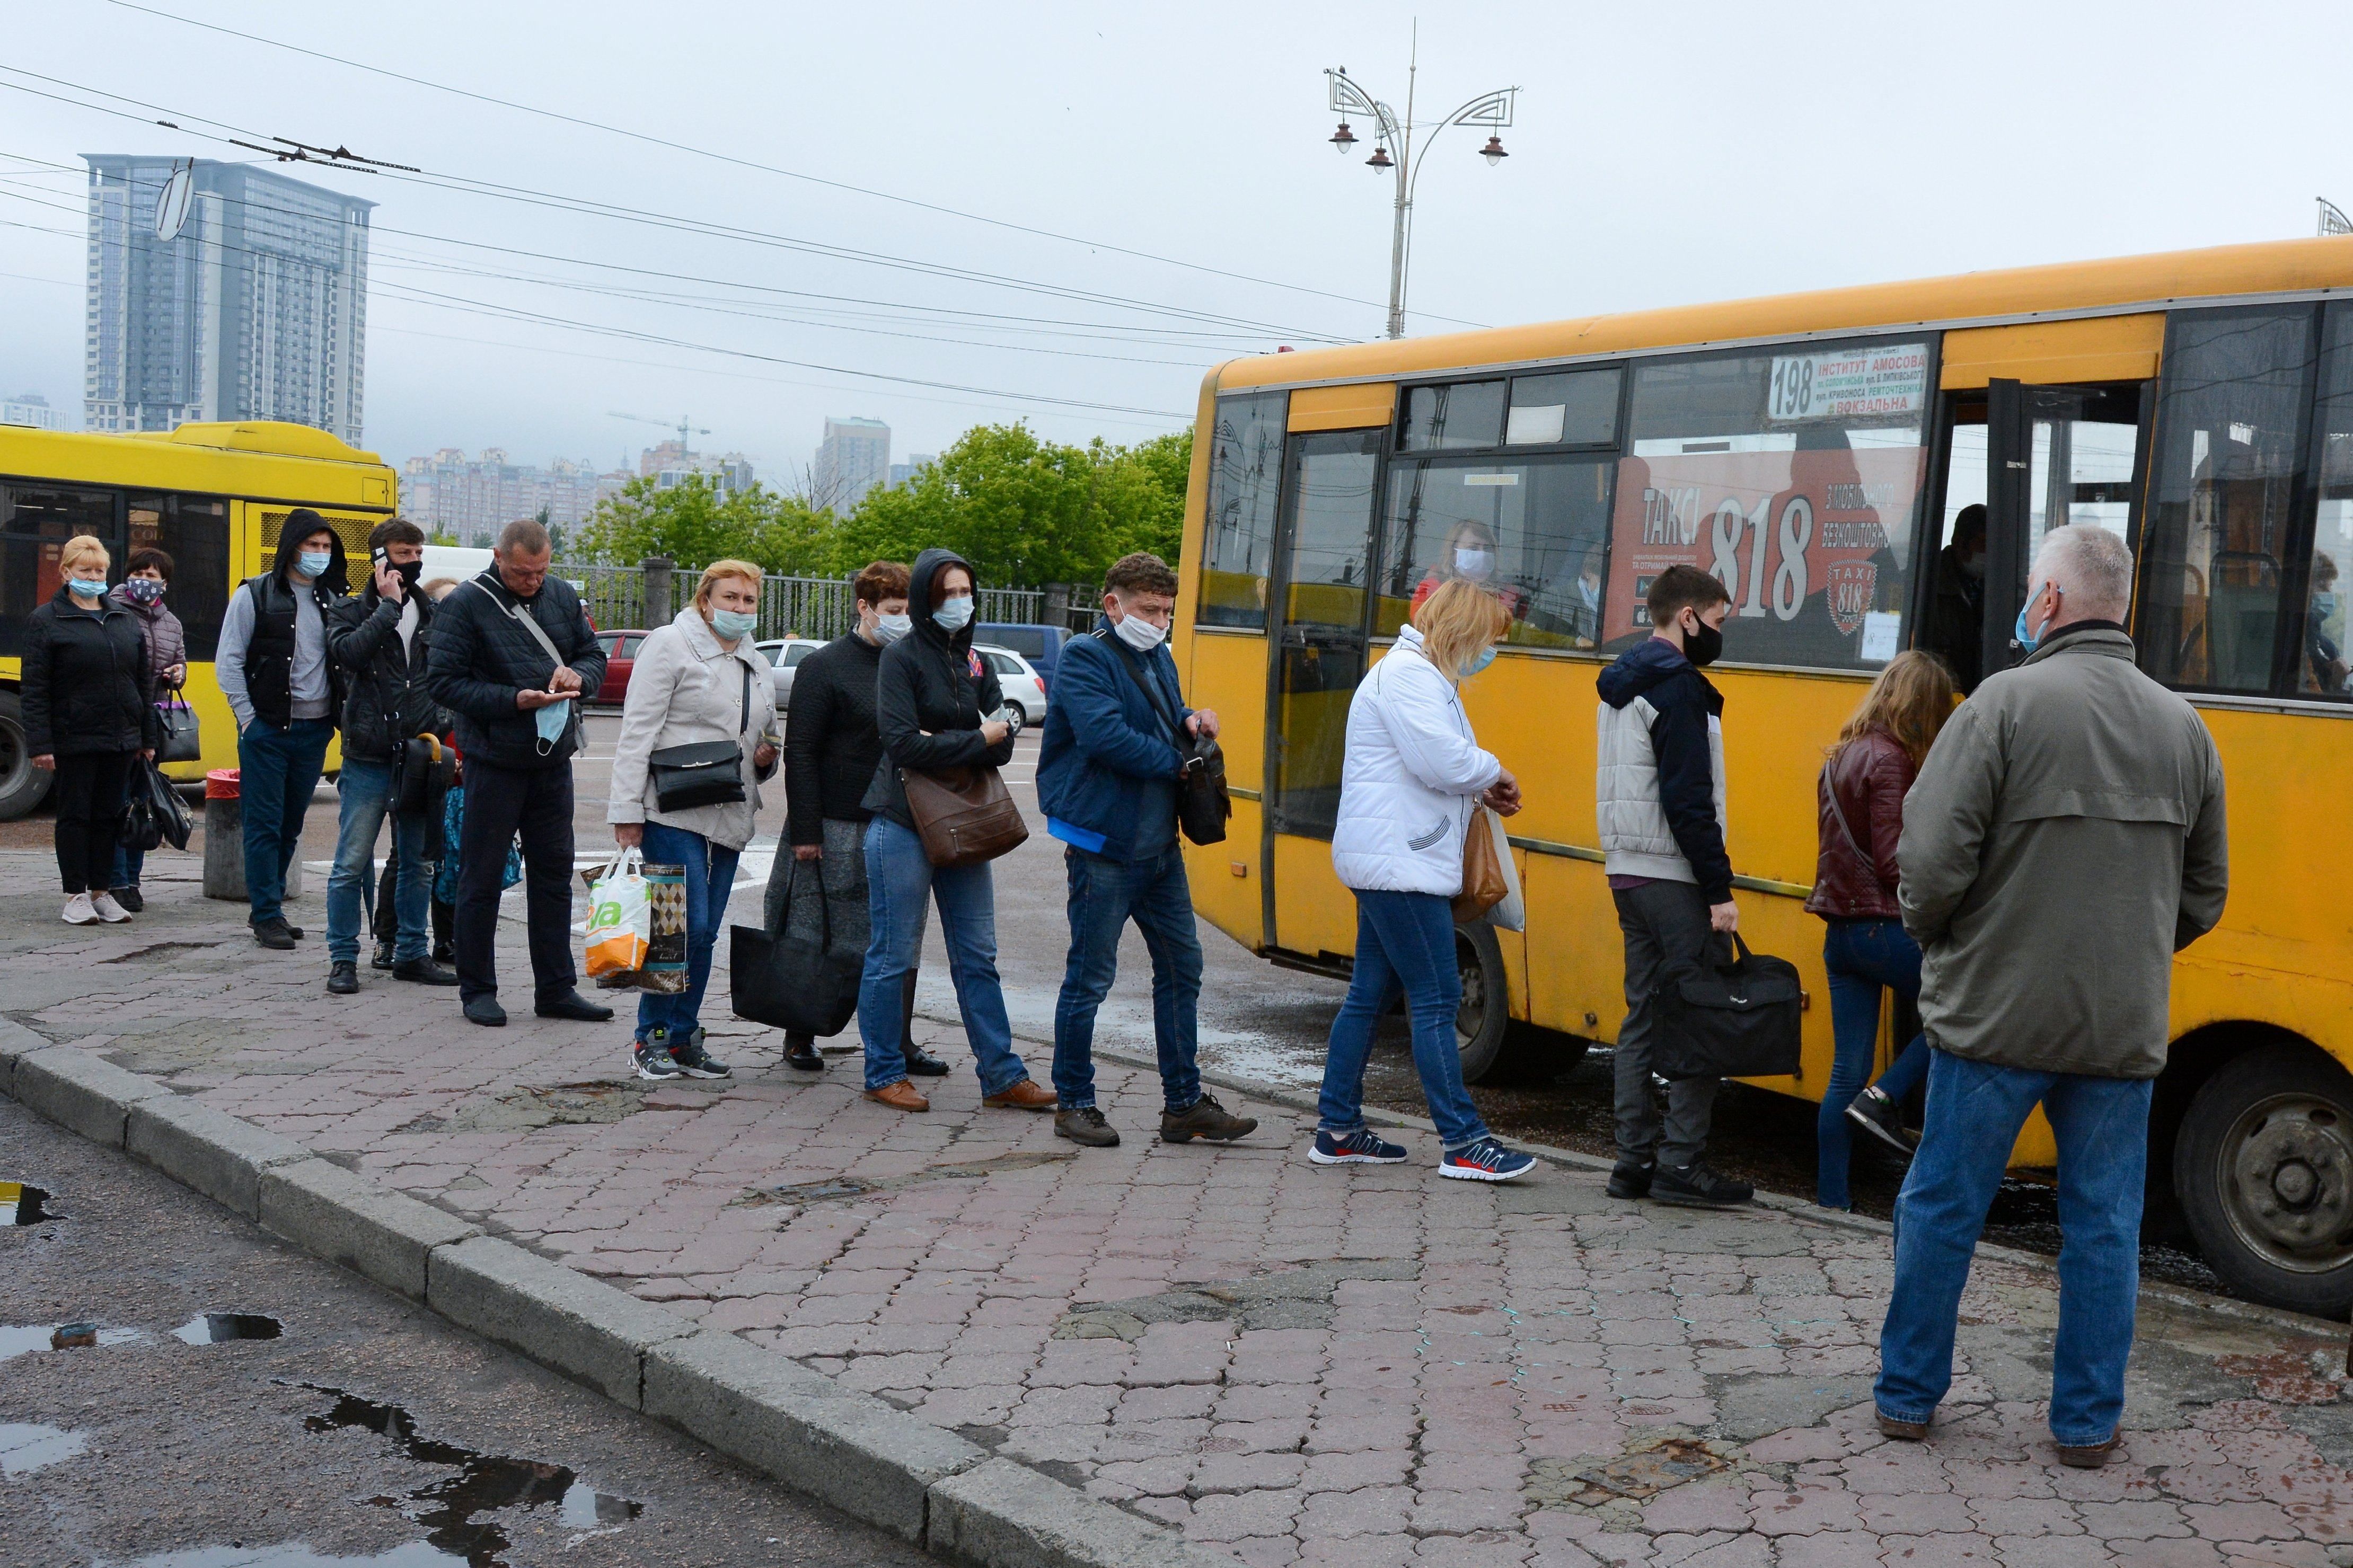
(2325, 666)
(1469, 554)
(1956, 629)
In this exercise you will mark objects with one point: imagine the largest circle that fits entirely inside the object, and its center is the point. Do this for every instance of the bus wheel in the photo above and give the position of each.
(22, 786)
(2263, 1166)
(1486, 1014)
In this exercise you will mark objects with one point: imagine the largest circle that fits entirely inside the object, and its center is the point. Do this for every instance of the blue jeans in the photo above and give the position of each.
(1862, 956)
(366, 790)
(1405, 944)
(277, 771)
(899, 881)
(1104, 896)
(1975, 1111)
(127, 864)
(709, 878)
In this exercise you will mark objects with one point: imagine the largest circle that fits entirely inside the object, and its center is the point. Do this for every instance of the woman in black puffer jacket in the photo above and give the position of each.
(90, 716)
(930, 692)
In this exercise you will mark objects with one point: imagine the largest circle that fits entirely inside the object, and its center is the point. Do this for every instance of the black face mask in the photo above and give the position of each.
(1704, 646)
(410, 571)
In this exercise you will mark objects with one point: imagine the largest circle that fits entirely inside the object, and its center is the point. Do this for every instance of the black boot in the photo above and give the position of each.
(800, 1051)
(921, 1063)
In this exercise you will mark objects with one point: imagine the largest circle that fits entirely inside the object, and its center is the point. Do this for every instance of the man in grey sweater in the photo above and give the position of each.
(2064, 840)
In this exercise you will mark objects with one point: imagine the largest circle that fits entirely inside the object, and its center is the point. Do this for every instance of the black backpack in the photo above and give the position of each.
(1739, 1019)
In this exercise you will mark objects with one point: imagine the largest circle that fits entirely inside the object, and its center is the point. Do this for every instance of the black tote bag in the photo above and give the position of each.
(1735, 1020)
(801, 986)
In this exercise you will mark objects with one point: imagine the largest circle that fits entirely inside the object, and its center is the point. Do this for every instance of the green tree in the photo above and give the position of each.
(693, 524)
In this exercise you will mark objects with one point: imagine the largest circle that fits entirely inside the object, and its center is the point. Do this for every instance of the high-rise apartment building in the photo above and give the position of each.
(256, 310)
(903, 474)
(854, 457)
(29, 409)
(472, 498)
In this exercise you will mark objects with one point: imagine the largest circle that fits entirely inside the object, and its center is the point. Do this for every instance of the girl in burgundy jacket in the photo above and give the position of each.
(1860, 795)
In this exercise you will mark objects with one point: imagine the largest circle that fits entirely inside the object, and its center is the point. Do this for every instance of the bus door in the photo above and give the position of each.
(1321, 608)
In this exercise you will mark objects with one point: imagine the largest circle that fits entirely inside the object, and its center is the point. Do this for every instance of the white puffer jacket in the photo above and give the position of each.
(686, 689)
(1412, 773)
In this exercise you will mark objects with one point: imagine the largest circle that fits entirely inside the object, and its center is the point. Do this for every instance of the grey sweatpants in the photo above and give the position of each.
(1666, 929)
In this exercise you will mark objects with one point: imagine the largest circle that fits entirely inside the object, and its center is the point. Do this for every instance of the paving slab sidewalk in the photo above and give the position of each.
(1289, 1364)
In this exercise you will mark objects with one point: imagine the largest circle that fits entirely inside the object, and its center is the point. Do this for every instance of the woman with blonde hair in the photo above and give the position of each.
(1413, 776)
(1867, 951)
(90, 717)
(698, 680)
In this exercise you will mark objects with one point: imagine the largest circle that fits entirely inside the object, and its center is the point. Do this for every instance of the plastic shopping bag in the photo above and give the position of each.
(1511, 911)
(620, 918)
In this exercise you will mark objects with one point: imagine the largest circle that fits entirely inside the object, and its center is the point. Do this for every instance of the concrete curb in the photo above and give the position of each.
(847, 1449)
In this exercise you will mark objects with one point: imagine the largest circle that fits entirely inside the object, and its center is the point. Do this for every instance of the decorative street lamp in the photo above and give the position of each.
(1393, 149)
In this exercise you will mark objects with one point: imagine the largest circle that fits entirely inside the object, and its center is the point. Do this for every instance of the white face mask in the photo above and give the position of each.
(1476, 564)
(1138, 633)
(889, 629)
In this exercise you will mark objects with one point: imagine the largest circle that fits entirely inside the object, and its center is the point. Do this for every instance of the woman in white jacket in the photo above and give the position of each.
(697, 681)
(1414, 773)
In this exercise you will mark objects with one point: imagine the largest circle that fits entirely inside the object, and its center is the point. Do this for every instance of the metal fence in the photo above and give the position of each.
(789, 606)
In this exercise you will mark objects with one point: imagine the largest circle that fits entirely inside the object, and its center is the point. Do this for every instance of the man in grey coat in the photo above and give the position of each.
(2064, 841)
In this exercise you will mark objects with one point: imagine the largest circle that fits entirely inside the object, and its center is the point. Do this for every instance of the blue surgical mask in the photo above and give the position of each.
(2323, 606)
(552, 721)
(889, 629)
(2025, 640)
(314, 562)
(1486, 657)
(953, 615)
(734, 625)
(86, 588)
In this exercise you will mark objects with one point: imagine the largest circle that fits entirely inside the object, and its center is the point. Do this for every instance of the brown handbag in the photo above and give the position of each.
(964, 816)
(1483, 878)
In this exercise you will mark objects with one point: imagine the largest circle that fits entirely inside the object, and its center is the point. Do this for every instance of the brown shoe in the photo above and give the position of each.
(2091, 1455)
(1902, 1431)
(1026, 1095)
(899, 1096)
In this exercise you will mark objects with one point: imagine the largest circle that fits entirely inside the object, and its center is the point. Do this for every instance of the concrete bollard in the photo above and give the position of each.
(225, 841)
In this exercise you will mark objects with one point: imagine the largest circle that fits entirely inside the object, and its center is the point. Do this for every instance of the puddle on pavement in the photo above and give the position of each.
(837, 1187)
(219, 1328)
(294, 1555)
(17, 1339)
(25, 1448)
(485, 1483)
(23, 1204)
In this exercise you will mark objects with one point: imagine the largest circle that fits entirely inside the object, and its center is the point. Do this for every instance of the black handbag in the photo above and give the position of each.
(706, 773)
(791, 983)
(1203, 802)
(138, 829)
(1740, 1019)
(182, 738)
(154, 814)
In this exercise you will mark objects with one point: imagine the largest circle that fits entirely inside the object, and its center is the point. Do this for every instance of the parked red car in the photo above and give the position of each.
(620, 658)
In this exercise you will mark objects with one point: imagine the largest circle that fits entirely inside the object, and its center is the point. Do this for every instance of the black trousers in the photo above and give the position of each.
(386, 926)
(502, 802)
(88, 795)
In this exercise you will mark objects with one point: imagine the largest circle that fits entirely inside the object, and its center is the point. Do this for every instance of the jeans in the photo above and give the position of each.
(499, 803)
(1975, 1111)
(1405, 944)
(277, 771)
(1666, 929)
(128, 862)
(365, 789)
(1104, 896)
(710, 877)
(1861, 957)
(88, 794)
(898, 882)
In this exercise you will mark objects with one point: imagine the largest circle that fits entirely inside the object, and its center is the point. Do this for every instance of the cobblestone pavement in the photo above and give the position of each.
(1291, 1363)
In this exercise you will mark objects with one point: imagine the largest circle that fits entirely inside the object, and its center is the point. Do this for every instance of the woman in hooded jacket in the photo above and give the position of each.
(932, 696)
(1412, 776)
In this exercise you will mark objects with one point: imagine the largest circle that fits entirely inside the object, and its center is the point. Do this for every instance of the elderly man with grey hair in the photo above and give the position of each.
(2064, 841)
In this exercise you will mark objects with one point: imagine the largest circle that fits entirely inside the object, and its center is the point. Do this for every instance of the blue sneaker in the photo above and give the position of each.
(1357, 1148)
(1486, 1160)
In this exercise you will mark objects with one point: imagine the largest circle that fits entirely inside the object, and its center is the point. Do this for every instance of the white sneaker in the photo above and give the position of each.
(107, 910)
(78, 912)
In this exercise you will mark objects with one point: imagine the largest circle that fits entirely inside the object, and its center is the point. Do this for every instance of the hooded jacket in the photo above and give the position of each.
(260, 637)
(687, 691)
(87, 688)
(930, 692)
(1106, 744)
(1659, 799)
(1412, 773)
(388, 704)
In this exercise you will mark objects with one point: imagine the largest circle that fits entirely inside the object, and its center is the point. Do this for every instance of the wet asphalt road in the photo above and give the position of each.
(285, 1453)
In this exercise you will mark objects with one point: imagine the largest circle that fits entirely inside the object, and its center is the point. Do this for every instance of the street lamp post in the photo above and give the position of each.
(1394, 150)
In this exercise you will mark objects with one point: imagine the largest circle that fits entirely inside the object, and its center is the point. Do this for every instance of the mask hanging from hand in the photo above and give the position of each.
(552, 721)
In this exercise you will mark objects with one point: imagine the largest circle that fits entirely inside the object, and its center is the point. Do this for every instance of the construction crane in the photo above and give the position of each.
(685, 426)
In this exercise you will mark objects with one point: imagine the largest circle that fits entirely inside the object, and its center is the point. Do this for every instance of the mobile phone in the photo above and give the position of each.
(1004, 716)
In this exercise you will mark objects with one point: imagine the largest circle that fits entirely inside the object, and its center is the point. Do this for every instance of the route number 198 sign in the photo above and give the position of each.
(1852, 383)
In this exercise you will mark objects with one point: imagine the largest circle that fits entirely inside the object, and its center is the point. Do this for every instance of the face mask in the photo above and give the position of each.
(2323, 606)
(86, 588)
(408, 573)
(2026, 639)
(889, 629)
(148, 591)
(1139, 634)
(1704, 645)
(552, 721)
(734, 625)
(1486, 657)
(1475, 564)
(1974, 568)
(313, 562)
(1588, 592)
(954, 616)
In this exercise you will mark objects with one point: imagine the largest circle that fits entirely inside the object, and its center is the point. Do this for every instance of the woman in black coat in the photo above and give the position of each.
(90, 716)
(931, 693)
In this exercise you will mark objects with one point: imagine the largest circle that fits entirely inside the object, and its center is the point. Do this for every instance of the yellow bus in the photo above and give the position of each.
(1820, 453)
(211, 495)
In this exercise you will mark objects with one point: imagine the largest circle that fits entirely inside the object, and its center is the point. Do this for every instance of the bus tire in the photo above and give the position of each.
(22, 786)
(1484, 1017)
(2263, 1167)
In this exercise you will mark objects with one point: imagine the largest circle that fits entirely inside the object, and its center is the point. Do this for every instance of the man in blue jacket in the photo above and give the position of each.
(1118, 736)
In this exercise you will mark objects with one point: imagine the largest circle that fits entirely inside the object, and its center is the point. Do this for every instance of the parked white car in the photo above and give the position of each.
(783, 655)
(1024, 687)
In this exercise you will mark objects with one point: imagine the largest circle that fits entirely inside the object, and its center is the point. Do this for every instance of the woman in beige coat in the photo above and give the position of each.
(697, 681)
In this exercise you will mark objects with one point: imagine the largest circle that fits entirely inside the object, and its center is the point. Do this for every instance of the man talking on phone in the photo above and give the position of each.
(513, 657)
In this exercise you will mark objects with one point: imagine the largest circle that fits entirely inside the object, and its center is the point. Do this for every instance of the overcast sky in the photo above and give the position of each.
(1664, 154)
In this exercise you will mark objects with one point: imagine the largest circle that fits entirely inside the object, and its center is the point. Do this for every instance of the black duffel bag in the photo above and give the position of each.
(1739, 1019)
(801, 986)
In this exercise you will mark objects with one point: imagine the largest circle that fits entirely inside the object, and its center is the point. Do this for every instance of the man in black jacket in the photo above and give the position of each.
(379, 641)
(513, 657)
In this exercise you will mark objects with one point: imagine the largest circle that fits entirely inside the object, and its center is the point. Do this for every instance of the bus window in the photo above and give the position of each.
(194, 531)
(1796, 479)
(1536, 532)
(2322, 668)
(1578, 409)
(1328, 567)
(1445, 418)
(2222, 482)
(1245, 478)
(35, 519)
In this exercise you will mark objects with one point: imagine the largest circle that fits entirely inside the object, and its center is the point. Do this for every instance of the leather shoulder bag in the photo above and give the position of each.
(1203, 802)
(964, 816)
(704, 773)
